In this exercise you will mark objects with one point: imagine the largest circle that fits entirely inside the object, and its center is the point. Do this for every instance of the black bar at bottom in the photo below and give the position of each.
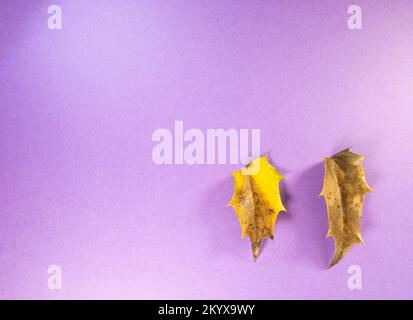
(203, 309)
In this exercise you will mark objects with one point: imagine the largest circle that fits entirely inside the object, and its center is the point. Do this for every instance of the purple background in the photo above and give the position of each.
(78, 108)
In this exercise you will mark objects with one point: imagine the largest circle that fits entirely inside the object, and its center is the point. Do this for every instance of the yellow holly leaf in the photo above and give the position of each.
(344, 189)
(257, 201)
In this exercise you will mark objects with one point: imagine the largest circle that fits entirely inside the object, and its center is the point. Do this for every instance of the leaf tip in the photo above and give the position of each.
(337, 257)
(255, 249)
(332, 264)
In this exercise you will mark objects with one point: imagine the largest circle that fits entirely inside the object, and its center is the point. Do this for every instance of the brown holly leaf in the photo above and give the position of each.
(344, 189)
(257, 201)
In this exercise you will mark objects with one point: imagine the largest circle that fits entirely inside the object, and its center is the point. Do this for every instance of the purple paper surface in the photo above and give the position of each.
(79, 188)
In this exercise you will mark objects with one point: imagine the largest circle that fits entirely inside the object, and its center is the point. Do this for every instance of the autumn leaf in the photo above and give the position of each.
(257, 201)
(344, 189)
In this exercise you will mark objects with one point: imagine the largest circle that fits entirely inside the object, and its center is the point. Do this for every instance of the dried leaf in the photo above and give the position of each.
(344, 189)
(257, 201)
